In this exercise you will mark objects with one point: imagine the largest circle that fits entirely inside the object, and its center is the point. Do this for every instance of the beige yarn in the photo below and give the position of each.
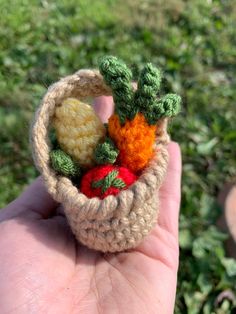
(115, 223)
(78, 142)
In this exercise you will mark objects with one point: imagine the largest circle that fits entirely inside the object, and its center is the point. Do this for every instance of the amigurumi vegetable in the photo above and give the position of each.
(106, 152)
(63, 164)
(78, 130)
(134, 124)
(106, 180)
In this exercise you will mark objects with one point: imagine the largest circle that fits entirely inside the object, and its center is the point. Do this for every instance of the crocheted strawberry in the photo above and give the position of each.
(106, 180)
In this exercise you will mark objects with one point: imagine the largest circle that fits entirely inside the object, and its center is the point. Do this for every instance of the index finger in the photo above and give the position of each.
(170, 192)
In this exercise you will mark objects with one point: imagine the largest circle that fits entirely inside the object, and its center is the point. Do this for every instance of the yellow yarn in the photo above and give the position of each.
(78, 130)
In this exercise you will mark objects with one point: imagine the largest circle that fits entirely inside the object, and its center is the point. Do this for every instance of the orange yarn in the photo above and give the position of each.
(134, 139)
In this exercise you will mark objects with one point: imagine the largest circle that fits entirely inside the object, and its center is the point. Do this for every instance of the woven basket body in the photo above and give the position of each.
(115, 223)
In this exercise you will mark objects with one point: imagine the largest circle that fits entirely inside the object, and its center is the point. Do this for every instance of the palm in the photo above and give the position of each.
(55, 274)
(43, 268)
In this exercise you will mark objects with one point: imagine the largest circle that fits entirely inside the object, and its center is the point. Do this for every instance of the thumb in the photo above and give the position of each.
(104, 107)
(34, 199)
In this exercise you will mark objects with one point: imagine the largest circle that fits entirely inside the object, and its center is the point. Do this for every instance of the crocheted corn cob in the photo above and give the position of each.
(78, 130)
(133, 126)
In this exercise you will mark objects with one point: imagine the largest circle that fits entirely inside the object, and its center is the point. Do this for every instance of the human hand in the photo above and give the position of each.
(44, 269)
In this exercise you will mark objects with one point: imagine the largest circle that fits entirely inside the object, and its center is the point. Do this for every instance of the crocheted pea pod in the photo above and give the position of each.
(78, 130)
(63, 164)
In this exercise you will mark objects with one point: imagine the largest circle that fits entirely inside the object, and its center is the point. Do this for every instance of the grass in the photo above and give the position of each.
(194, 43)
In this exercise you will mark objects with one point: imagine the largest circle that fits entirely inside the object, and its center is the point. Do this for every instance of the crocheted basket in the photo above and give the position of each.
(115, 223)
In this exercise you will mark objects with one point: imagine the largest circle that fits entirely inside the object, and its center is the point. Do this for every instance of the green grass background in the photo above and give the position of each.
(194, 42)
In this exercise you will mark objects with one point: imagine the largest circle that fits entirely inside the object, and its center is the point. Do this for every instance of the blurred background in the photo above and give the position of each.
(194, 43)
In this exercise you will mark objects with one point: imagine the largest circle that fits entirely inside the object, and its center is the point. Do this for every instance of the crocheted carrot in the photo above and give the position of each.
(78, 130)
(105, 180)
(134, 124)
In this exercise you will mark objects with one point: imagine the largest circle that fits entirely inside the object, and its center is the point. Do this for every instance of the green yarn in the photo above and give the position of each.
(144, 100)
(110, 180)
(148, 85)
(146, 96)
(167, 106)
(118, 76)
(106, 152)
(118, 183)
(53, 139)
(64, 164)
(171, 104)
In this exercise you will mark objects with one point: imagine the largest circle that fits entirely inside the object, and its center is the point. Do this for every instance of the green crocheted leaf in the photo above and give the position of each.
(118, 183)
(106, 152)
(148, 85)
(118, 76)
(144, 100)
(122, 114)
(171, 104)
(110, 180)
(97, 184)
(168, 106)
(63, 164)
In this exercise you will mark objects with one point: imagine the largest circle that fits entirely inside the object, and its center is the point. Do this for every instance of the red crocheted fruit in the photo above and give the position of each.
(106, 180)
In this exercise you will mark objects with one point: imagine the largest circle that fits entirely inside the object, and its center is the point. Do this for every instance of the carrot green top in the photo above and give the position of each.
(129, 102)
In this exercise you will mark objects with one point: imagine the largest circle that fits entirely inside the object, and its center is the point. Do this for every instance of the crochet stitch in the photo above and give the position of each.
(116, 223)
(135, 141)
(146, 95)
(117, 75)
(63, 164)
(106, 180)
(106, 152)
(78, 130)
